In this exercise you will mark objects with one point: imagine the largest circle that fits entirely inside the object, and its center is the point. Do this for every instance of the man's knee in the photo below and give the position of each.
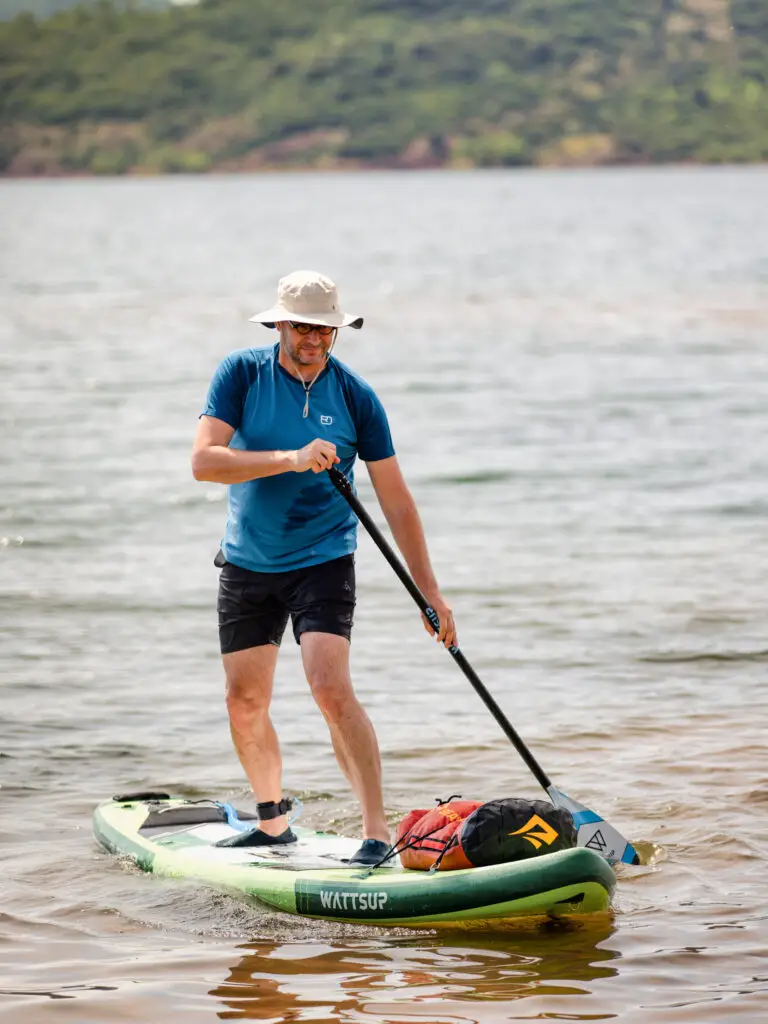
(334, 697)
(326, 665)
(243, 699)
(248, 687)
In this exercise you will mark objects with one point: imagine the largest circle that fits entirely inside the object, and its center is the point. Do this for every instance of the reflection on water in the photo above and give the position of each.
(396, 980)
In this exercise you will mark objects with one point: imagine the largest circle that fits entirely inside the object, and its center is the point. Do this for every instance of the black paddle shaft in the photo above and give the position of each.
(344, 487)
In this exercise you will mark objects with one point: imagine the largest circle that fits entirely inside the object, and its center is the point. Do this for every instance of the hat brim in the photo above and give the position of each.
(277, 314)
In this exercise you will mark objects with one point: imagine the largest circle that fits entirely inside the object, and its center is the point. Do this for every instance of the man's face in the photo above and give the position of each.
(306, 344)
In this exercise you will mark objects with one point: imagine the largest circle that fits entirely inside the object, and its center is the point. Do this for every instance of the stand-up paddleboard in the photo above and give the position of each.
(176, 837)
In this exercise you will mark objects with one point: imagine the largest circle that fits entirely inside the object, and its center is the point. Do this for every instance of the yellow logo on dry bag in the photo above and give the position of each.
(448, 813)
(537, 832)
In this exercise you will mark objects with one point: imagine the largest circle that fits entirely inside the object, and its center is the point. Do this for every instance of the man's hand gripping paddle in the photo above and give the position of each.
(593, 831)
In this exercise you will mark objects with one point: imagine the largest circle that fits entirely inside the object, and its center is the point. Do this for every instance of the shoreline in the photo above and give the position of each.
(230, 172)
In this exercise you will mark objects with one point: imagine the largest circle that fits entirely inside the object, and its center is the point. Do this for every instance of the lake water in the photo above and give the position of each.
(575, 365)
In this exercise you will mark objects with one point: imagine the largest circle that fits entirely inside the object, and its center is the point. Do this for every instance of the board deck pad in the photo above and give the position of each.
(313, 877)
(313, 850)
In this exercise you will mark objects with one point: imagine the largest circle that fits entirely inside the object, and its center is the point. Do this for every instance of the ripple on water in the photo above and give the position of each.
(593, 498)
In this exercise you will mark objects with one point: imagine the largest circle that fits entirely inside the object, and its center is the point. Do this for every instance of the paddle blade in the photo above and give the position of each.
(594, 832)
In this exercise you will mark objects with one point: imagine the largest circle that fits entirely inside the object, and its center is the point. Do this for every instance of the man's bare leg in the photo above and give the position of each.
(250, 677)
(326, 664)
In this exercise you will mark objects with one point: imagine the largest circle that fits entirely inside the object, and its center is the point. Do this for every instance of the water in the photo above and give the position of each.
(575, 370)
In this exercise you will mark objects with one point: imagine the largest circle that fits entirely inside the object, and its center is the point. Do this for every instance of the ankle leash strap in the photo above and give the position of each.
(269, 809)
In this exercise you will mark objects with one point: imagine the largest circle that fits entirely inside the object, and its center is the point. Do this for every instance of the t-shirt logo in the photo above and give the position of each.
(326, 421)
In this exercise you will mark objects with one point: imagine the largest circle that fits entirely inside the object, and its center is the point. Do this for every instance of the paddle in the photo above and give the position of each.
(593, 831)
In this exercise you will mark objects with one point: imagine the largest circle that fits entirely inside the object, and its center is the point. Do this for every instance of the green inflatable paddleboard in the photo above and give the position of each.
(176, 837)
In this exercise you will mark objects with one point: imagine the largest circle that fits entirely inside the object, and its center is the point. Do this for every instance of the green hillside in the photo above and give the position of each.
(245, 84)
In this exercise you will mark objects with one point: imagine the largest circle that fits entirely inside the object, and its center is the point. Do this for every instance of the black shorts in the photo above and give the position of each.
(254, 607)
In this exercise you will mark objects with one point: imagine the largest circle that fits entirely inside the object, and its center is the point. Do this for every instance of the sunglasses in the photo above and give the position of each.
(324, 332)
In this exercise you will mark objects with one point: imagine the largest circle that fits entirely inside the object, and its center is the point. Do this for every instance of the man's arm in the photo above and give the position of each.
(213, 460)
(401, 513)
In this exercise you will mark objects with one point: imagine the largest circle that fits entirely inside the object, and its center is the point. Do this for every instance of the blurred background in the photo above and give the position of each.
(553, 216)
(153, 86)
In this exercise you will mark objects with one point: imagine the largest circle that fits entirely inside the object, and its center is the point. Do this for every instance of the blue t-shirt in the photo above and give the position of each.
(293, 520)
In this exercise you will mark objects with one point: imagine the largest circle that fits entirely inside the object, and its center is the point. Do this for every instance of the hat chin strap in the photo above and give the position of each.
(304, 384)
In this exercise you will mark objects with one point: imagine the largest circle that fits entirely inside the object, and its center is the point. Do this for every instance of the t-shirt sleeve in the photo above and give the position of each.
(374, 440)
(227, 392)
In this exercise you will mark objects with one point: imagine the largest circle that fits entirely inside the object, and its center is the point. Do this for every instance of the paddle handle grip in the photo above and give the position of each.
(344, 487)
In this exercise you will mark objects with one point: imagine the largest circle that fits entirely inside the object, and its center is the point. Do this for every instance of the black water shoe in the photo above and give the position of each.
(258, 838)
(371, 852)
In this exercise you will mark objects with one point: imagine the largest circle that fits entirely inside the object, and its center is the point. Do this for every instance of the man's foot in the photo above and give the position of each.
(272, 816)
(371, 852)
(275, 827)
(258, 838)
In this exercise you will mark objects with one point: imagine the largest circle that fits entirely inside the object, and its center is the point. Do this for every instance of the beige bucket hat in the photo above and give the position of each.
(308, 298)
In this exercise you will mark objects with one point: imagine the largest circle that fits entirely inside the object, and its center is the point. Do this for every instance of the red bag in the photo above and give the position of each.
(423, 836)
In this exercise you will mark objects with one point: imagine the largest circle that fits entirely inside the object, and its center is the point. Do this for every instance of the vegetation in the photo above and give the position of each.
(111, 88)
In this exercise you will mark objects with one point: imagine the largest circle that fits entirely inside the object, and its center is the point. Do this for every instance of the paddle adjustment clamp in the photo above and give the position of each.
(270, 809)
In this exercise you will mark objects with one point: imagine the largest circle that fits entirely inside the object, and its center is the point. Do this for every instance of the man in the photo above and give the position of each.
(275, 420)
